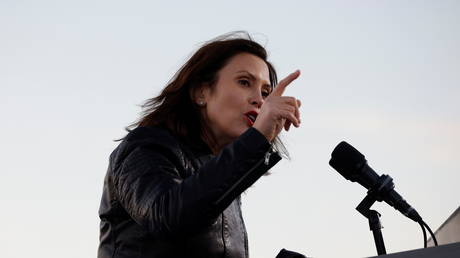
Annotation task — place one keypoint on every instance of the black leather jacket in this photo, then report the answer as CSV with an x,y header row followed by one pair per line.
x,y
165,198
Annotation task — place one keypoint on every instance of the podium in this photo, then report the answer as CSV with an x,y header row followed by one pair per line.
x,y
449,231
442,251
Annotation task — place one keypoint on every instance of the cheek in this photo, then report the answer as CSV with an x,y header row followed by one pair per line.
x,y
221,110
225,110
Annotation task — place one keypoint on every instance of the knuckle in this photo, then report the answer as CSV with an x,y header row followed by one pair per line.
x,y
291,100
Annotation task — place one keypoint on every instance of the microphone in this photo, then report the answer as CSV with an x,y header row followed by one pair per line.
x,y
352,165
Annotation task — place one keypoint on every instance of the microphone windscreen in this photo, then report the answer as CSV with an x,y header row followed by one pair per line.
x,y
347,160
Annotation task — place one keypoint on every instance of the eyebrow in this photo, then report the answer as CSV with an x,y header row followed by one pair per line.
x,y
252,77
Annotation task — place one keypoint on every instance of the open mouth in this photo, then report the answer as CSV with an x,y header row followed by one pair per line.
x,y
251,117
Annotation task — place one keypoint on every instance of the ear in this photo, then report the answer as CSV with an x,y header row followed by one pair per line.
x,y
200,95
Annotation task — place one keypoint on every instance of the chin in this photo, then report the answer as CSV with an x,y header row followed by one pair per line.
x,y
240,131
233,133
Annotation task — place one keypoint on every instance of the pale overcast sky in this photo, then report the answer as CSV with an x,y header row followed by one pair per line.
x,y
382,75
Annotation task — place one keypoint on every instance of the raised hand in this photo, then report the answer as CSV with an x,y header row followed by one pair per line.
x,y
278,111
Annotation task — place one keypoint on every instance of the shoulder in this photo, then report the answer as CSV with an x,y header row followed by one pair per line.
x,y
147,140
149,136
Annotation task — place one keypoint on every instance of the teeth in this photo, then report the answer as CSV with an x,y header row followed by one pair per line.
x,y
252,117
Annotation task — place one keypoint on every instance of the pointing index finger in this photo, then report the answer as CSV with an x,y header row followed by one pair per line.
x,y
279,90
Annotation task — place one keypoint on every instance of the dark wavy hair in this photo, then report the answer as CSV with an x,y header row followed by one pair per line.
x,y
175,108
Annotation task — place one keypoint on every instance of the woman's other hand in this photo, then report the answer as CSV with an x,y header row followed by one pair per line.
x,y
278,111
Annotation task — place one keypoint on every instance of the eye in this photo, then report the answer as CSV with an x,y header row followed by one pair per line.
x,y
243,82
265,93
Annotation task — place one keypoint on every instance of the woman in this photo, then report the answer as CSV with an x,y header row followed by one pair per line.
x,y
173,185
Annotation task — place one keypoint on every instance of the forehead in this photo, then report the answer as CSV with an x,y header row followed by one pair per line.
x,y
249,63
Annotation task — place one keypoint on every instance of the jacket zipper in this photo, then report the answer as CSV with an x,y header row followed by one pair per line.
x,y
267,156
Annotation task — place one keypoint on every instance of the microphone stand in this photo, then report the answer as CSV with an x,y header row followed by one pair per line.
x,y
384,184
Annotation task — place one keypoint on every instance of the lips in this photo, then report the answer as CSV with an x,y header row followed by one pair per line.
x,y
251,117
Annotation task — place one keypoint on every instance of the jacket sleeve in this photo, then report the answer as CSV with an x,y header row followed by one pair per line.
x,y
150,189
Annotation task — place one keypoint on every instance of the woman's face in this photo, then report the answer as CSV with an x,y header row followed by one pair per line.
x,y
234,102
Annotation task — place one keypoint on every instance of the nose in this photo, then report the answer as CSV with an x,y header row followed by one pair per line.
x,y
256,99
